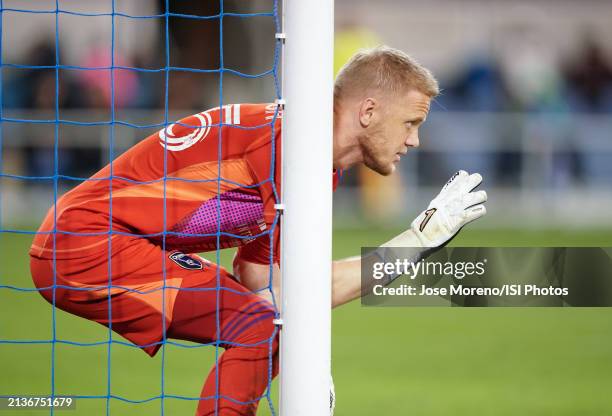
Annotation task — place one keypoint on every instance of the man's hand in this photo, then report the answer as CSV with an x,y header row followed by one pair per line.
x,y
455,206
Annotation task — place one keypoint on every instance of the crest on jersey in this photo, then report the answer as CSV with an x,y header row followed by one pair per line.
x,y
184,261
169,140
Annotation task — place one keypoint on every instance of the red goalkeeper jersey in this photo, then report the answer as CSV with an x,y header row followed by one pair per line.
x,y
209,180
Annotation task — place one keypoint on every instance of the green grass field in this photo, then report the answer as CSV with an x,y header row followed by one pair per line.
x,y
386,361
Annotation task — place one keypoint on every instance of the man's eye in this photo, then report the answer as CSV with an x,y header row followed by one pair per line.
x,y
409,124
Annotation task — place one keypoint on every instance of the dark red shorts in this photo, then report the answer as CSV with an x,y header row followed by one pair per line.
x,y
152,291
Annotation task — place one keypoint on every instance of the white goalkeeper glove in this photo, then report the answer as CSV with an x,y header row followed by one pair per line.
x,y
455,206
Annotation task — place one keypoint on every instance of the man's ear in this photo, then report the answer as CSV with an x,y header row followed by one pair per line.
x,y
366,111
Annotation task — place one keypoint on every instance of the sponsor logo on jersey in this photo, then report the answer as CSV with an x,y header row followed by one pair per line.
x,y
230,115
184,261
169,140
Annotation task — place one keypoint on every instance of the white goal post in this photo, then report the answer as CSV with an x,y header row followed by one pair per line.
x,y
306,230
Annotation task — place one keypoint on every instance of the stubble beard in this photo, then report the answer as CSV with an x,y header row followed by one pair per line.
x,y
372,148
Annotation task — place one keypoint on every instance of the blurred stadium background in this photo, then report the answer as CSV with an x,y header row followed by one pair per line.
x,y
527,102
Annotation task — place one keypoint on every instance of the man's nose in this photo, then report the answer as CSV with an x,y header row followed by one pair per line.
x,y
413,140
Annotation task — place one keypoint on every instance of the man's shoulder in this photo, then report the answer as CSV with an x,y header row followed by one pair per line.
x,y
248,114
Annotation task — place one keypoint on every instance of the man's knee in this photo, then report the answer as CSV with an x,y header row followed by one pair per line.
x,y
253,326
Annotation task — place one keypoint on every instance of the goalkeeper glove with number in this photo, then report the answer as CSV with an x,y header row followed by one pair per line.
x,y
455,206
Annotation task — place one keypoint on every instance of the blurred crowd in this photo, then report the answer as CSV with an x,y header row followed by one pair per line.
x,y
523,79
526,78
34,88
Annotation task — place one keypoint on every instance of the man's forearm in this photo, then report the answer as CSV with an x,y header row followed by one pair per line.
x,y
347,284
346,280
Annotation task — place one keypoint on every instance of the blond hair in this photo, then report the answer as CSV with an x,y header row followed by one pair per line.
x,y
383,69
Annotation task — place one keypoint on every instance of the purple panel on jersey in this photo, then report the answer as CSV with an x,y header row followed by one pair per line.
x,y
237,210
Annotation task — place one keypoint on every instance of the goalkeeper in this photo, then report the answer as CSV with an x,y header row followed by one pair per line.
x,y
121,247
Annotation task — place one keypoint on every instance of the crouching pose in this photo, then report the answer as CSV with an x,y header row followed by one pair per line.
x,y
121,248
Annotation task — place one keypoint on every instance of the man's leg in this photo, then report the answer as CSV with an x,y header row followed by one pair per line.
x,y
244,323
188,310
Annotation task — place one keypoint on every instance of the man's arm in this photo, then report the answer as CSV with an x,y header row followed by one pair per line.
x,y
346,280
346,284
256,277
455,206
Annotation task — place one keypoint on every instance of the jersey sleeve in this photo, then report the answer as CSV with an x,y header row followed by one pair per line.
x,y
258,251
263,157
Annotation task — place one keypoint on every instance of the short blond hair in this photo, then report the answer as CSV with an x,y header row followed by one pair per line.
x,y
383,69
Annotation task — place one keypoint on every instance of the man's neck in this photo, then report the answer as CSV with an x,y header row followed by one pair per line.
x,y
347,151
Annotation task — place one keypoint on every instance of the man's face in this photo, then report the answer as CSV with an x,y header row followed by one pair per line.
x,y
391,129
